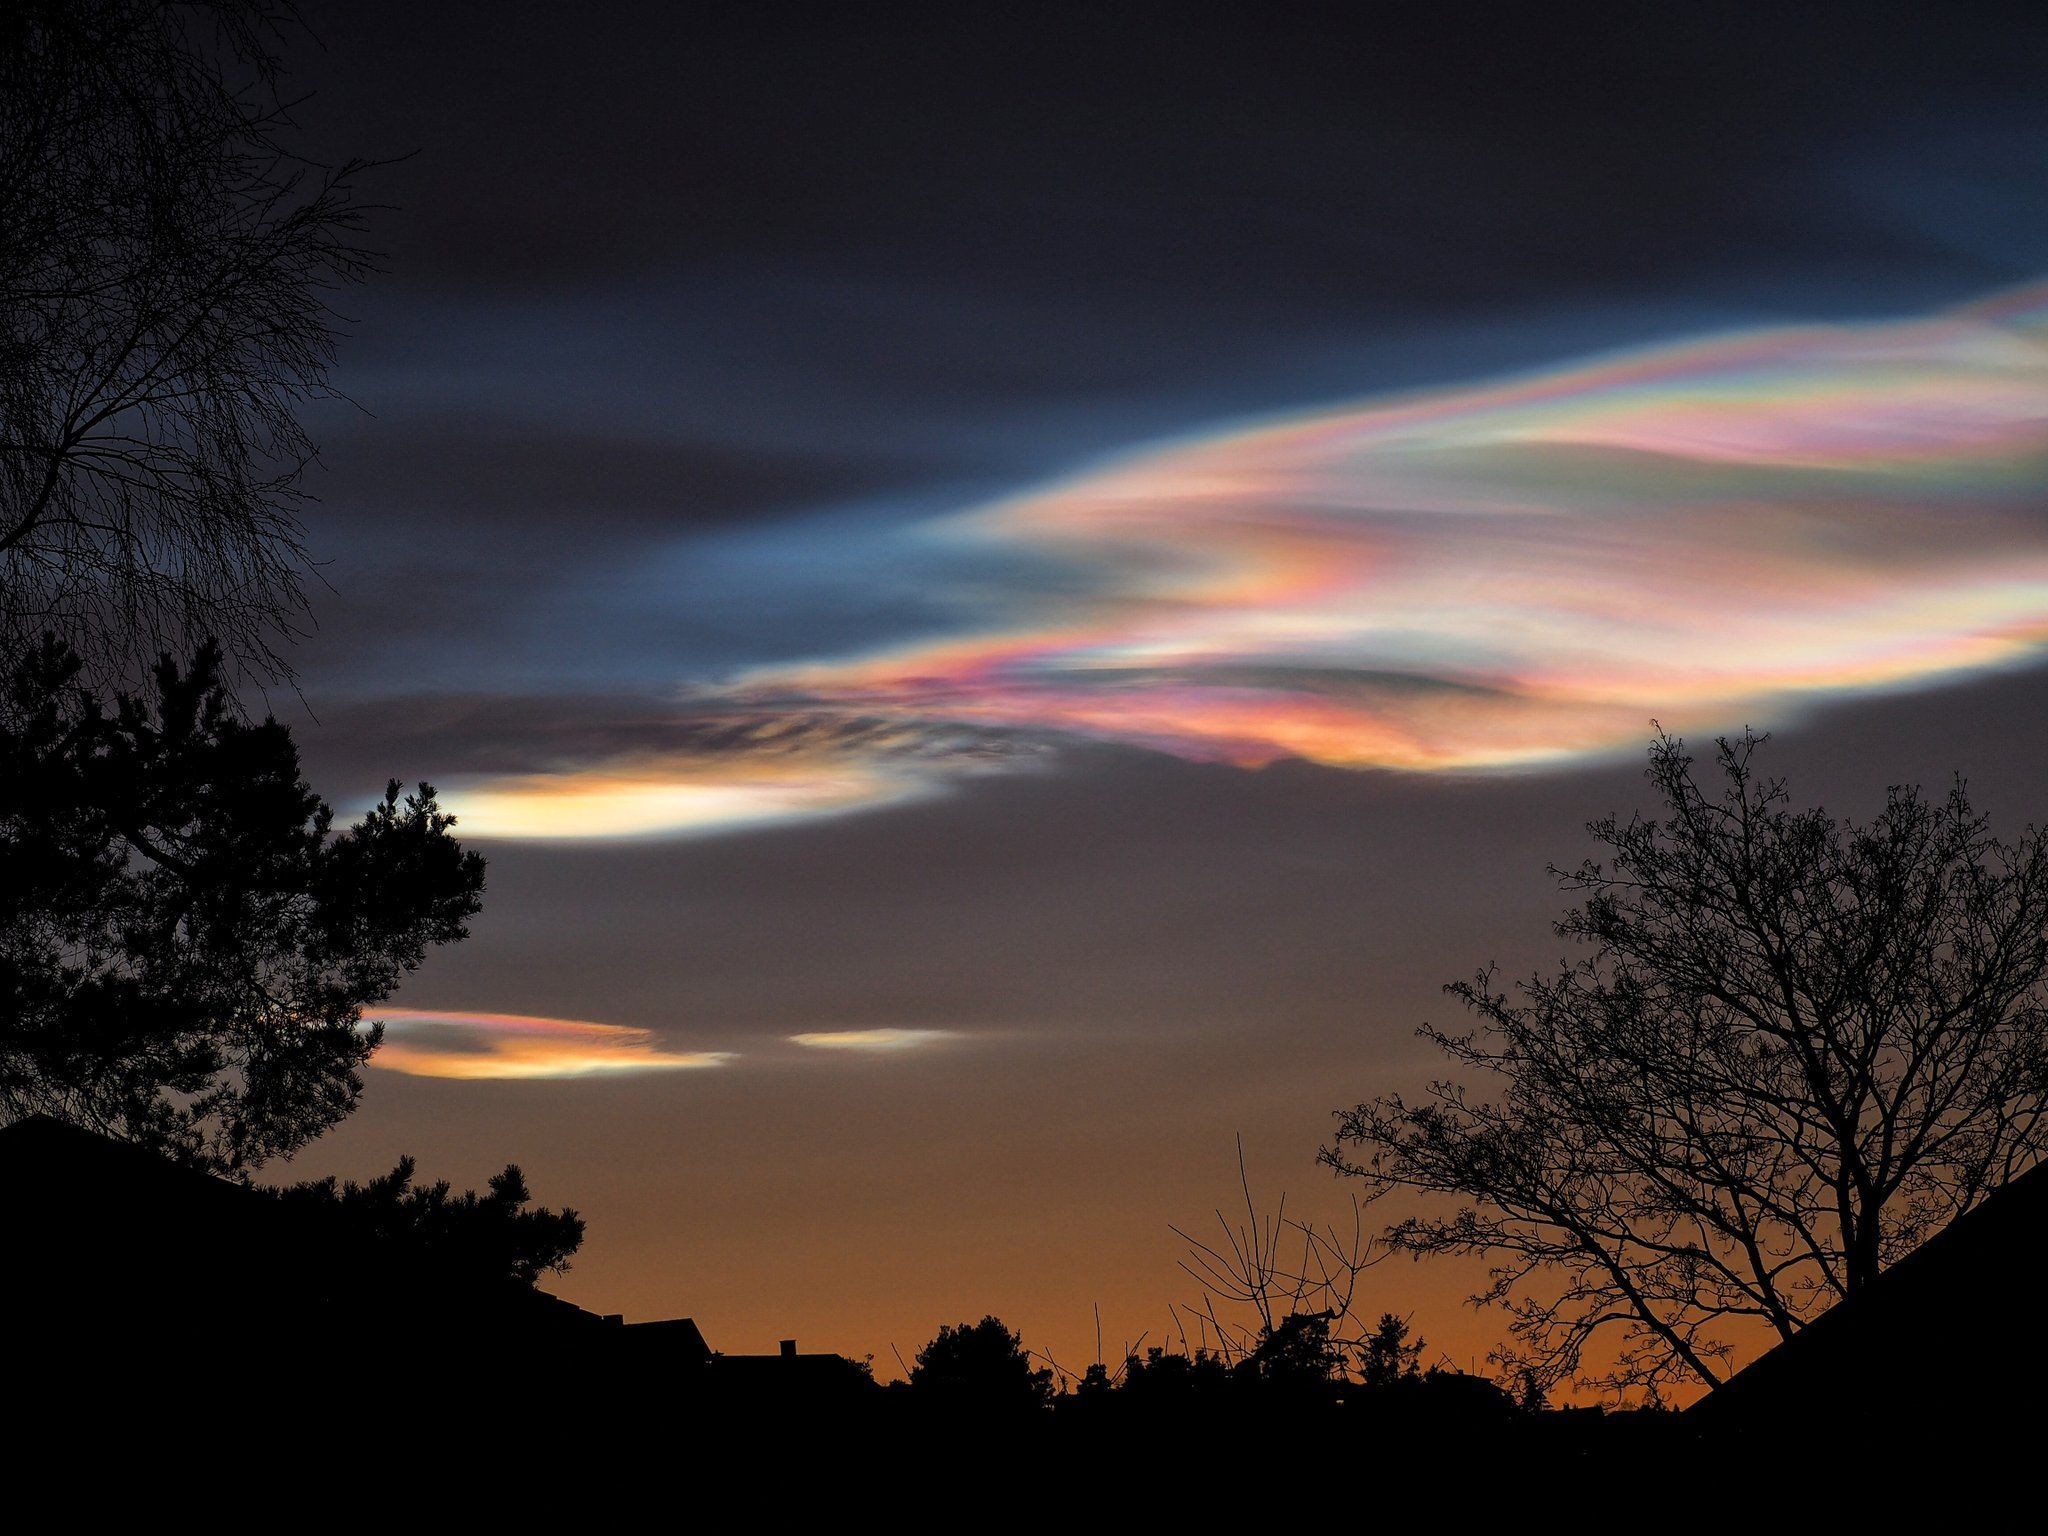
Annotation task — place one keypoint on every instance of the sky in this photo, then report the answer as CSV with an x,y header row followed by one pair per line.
x,y
1009,591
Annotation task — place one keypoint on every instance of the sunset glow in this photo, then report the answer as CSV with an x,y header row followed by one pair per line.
x,y
966,660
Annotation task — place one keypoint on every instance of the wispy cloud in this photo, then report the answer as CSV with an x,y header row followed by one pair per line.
x,y
721,772
1520,572
425,1043
871,1039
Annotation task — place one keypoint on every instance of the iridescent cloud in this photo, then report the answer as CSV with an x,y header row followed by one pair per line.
x,y
1517,573
871,1039
725,772
424,1043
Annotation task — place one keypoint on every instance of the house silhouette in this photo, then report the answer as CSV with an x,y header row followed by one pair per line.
x,y
124,1270
1940,1345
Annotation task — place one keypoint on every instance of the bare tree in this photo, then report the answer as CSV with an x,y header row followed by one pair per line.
x,y
1272,1273
166,267
1796,1047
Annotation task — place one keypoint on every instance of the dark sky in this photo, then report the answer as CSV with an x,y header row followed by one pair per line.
x,y
1369,421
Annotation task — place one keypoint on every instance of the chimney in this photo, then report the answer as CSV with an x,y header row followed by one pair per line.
x,y
789,1349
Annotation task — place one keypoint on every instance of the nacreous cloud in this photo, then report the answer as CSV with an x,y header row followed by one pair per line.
x,y
722,771
871,1039
422,1043
1517,573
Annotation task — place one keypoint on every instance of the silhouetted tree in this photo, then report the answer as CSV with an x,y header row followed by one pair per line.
x,y
1095,1381
1165,1375
1387,1356
165,270
487,1237
980,1367
1797,1047
186,943
1268,1276
1298,1353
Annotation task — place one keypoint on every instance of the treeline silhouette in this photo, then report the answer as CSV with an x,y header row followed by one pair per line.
x,y
158,1303
345,1300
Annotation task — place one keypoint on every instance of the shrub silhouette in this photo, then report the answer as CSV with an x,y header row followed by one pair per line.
x,y
981,1367
1297,1354
1387,1356
1164,1377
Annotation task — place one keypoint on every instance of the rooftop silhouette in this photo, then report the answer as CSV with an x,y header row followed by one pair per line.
x,y
1939,1340
131,1263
